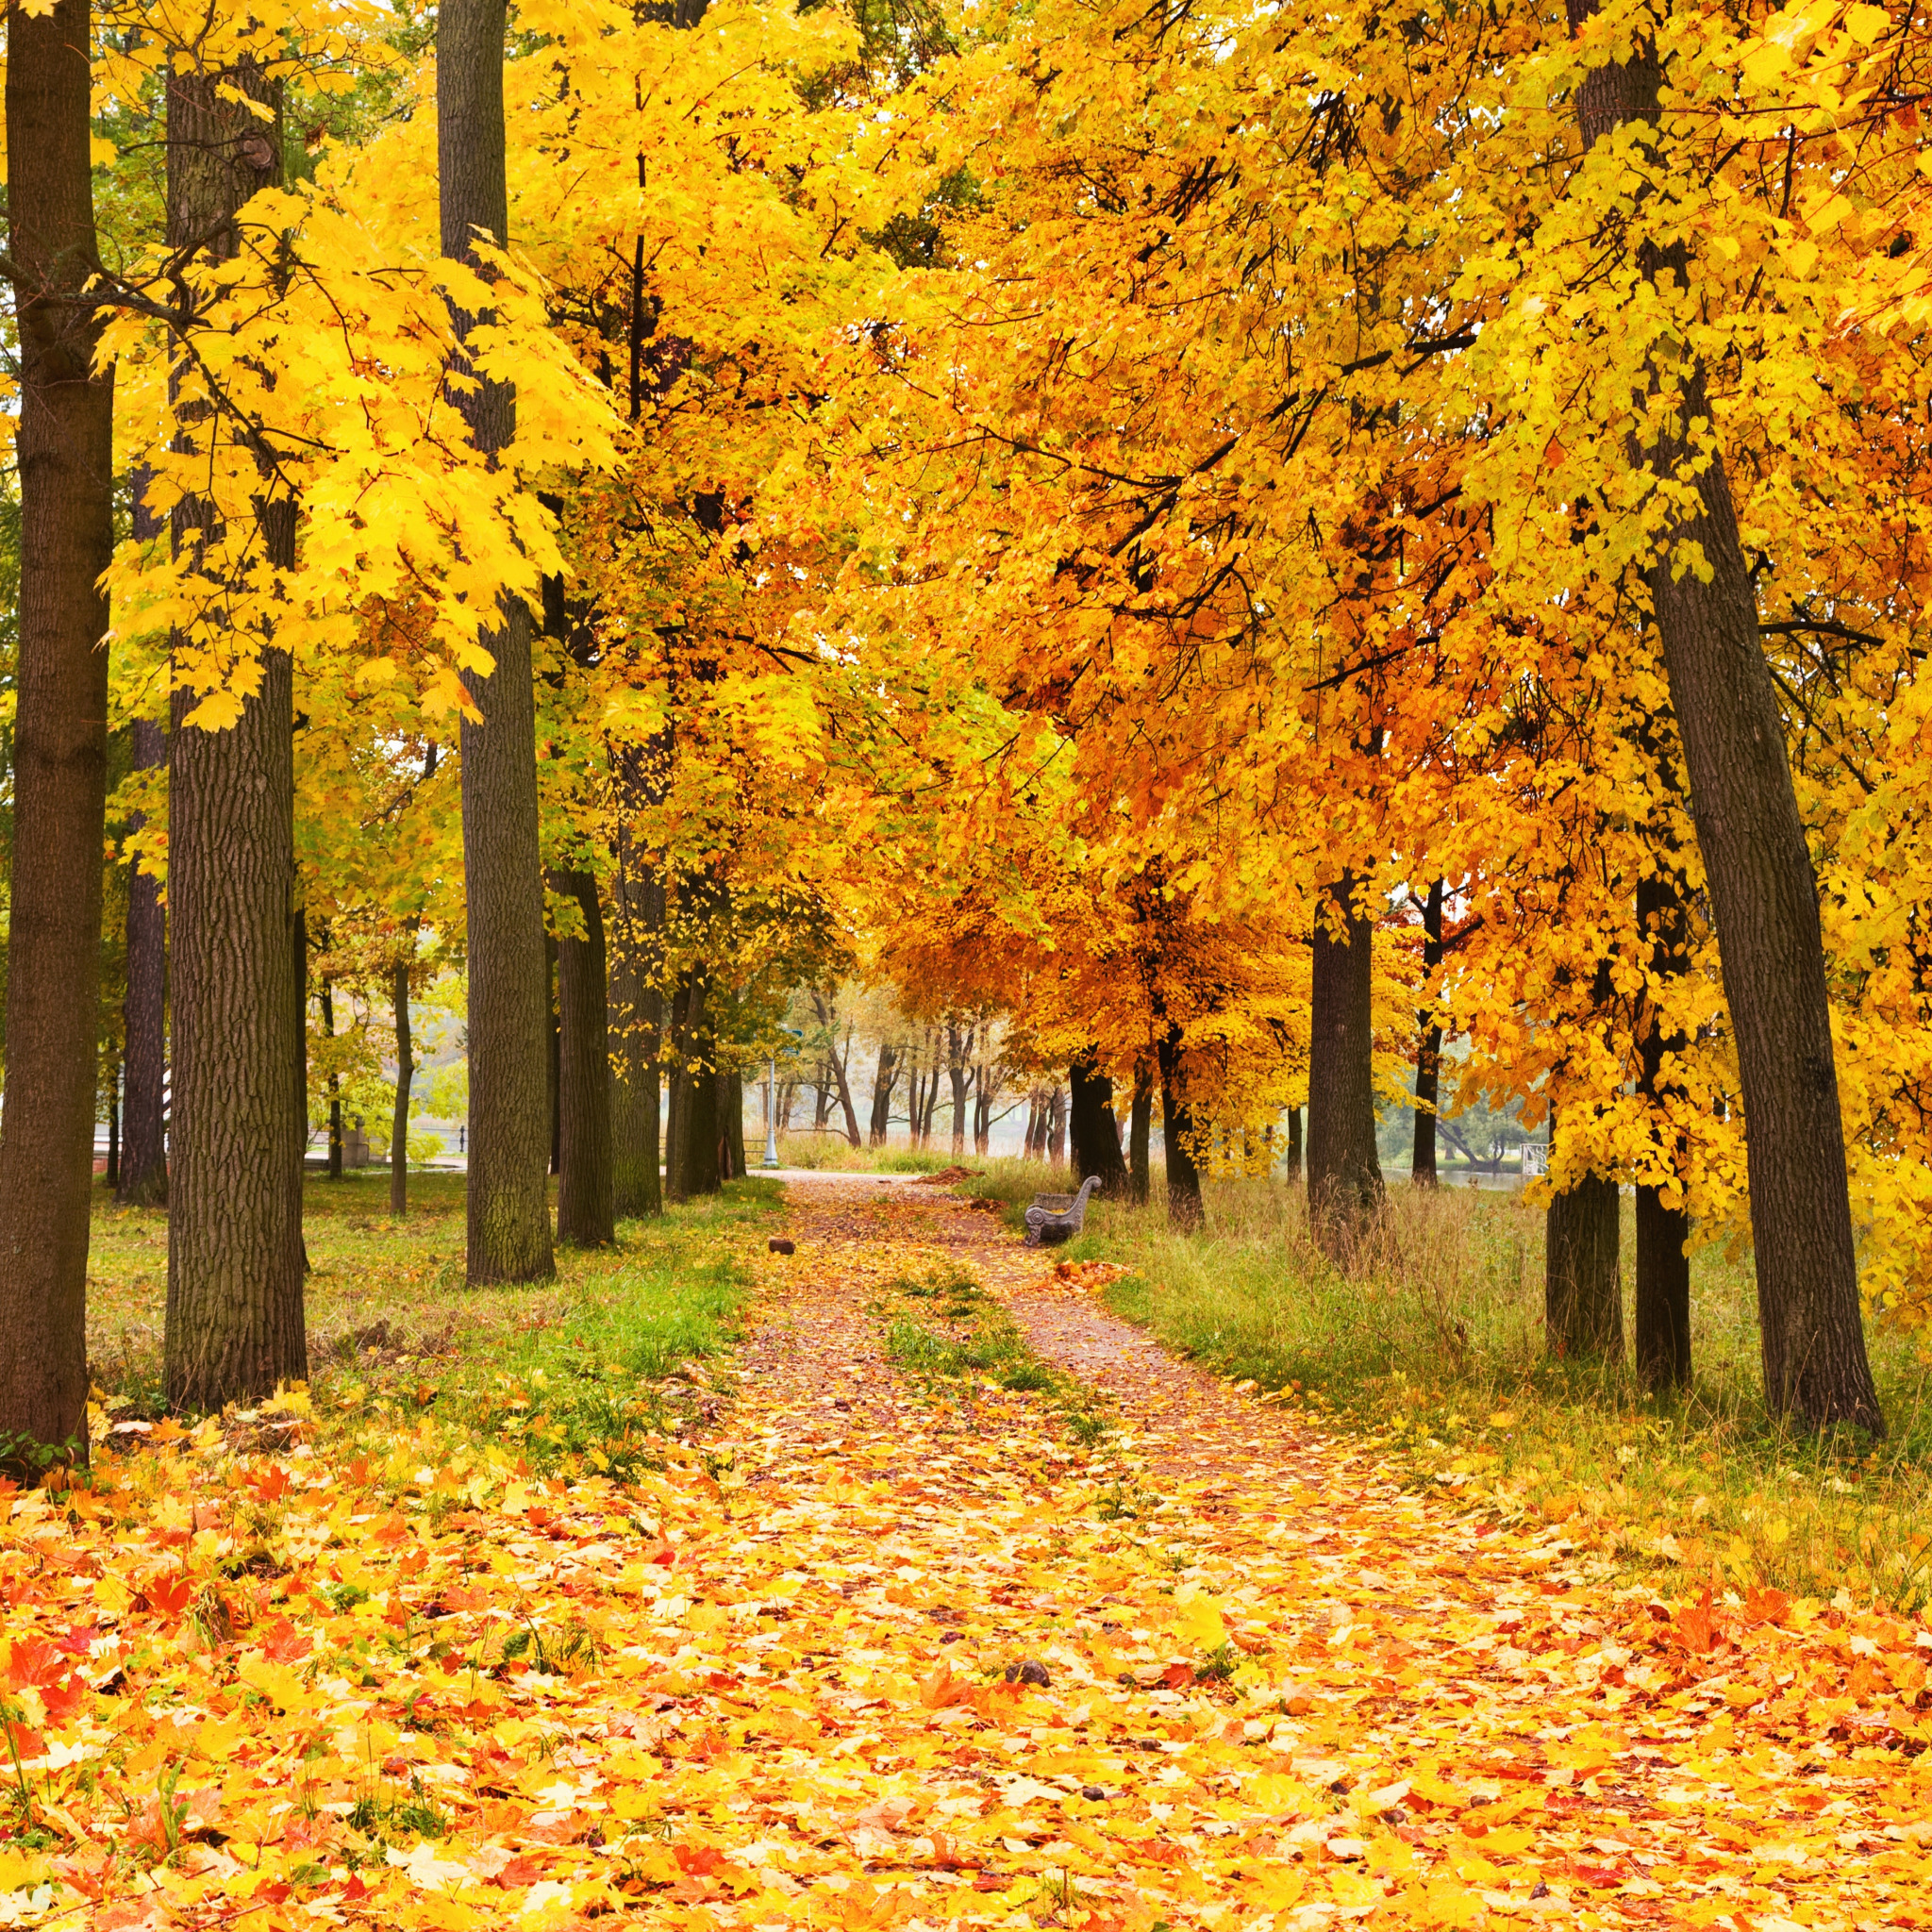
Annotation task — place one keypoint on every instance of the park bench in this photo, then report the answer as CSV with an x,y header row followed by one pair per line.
x,y
1057,1218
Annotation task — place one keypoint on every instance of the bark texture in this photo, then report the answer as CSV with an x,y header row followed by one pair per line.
x,y
699,1172
731,1161
554,1070
1292,1159
235,1310
509,1004
1758,870
1184,1209
692,1161
235,1324
885,1077
637,1005
1140,1133
1094,1130
585,1198
1429,1054
405,1073
144,1177
1661,1324
65,447
1345,1170
1583,1310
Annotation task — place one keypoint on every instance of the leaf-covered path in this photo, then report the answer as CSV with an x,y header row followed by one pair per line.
x,y
903,1647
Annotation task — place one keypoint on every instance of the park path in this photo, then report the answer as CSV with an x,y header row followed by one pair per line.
x,y
886,1647
1431,1719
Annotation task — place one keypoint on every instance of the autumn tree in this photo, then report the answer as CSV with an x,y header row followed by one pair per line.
x,y
509,1025
65,445
1756,858
234,1260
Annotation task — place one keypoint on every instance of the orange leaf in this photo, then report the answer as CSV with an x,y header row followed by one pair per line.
x,y
1697,1627
941,1691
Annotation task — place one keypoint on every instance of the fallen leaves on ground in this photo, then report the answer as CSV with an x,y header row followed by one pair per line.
x,y
891,1654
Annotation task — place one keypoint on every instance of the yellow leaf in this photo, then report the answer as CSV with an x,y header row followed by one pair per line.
x,y
1198,1622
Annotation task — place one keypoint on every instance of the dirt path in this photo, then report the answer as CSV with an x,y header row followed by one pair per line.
x,y
1431,1719
896,1649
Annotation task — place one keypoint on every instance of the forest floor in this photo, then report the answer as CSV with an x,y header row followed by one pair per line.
x,y
947,1596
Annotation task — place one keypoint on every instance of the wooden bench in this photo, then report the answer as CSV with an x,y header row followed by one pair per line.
x,y
1057,1218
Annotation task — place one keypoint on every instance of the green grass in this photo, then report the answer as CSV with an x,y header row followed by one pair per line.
x,y
831,1153
1431,1347
594,1370
943,1327
1013,1184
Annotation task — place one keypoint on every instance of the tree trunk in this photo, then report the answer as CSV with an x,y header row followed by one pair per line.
x,y
836,1067
143,1178
637,1002
1056,1126
1428,1058
1097,1136
1662,1315
1345,1170
234,1320
1184,1210
555,1076
586,1195
64,449
883,1081
509,1195
335,1098
845,1090
1583,1313
701,1131
1141,1132
1293,1158
677,1087
298,1049
405,1073
1758,872
732,1164
692,1167
959,1051
932,1096
235,1308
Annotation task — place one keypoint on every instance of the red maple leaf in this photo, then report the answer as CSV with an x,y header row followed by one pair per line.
x,y
284,1645
37,1663
168,1593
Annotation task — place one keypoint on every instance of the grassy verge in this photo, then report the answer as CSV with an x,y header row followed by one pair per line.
x,y
593,1371
1432,1347
1013,1184
831,1153
942,1327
